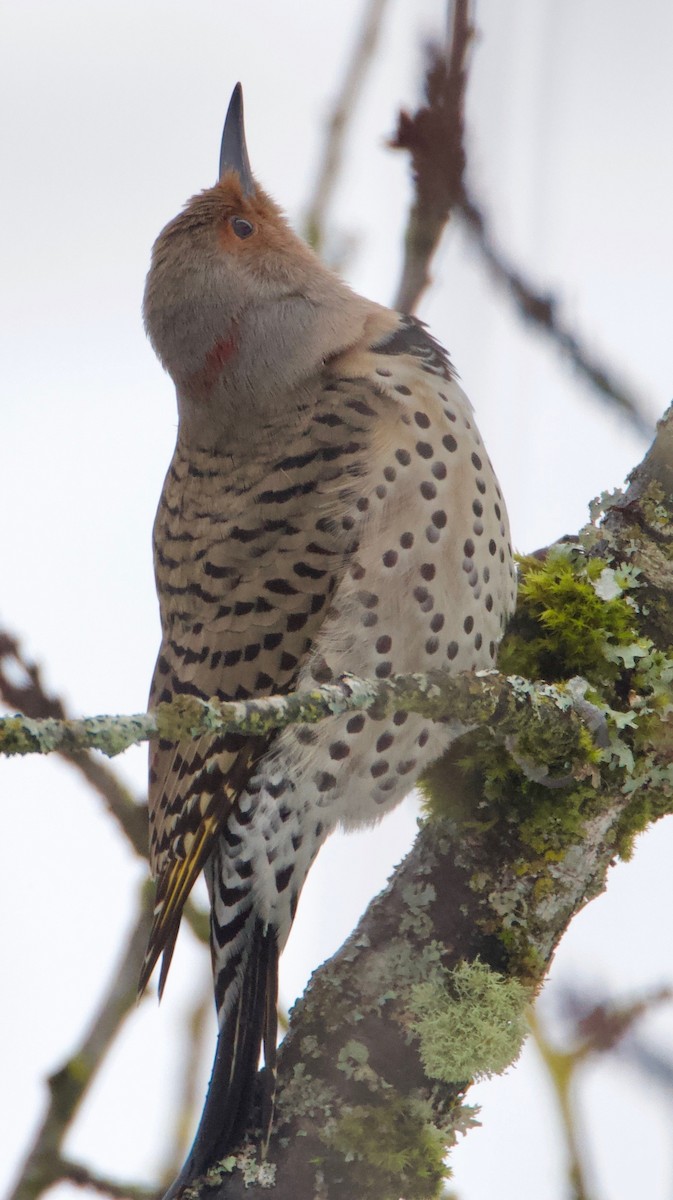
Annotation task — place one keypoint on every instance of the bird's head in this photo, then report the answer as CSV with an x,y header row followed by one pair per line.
x,y
235,302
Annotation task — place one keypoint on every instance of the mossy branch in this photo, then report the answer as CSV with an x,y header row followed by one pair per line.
x,y
510,707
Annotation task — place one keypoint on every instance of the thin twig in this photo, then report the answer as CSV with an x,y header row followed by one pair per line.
x,y
561,1067
434,137
68,1086
540,308
342,114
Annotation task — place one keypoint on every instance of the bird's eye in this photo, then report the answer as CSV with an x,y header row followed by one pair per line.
x,y
241,227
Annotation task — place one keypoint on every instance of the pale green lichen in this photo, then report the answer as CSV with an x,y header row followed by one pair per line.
x,y
654,507
305,1096
246,1161
353,1060
310,1047
253,1171
470,1022
416,919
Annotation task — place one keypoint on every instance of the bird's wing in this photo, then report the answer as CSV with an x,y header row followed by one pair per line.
x,y
246,565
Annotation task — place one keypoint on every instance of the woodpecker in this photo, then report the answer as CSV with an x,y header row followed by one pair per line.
x,y
329,507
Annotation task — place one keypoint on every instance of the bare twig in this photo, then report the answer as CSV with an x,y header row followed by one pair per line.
x,y
68,1086
541,309
344,107
434,137
561,1066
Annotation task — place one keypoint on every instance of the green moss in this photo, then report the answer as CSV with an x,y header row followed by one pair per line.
x,y
470,1022
392,1150
653,799
545,820
524,959
566,622
576,616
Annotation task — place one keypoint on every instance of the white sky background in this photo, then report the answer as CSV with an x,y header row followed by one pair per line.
x,y
111,118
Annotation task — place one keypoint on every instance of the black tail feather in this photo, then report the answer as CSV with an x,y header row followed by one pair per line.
x,y
232,1083
270,1041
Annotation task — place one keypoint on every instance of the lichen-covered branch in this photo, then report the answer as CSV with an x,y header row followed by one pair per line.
x,y
508,706
432,988
21,687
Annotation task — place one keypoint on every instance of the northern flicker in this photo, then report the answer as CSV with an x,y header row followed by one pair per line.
x,y
329,507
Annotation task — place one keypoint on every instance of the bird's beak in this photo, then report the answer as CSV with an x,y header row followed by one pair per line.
x,y
234,152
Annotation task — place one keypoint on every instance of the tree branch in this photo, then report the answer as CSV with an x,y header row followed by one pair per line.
x,y
435,140
21,688
508,705
434,137
431,989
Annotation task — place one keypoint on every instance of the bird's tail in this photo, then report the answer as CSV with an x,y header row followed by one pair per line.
x,y
249,1024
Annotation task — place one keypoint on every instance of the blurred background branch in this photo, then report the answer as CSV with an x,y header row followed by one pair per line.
x,y
45,1164
595,1028
341,117
434,138
541,310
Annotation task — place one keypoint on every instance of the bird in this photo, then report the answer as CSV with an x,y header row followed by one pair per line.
x,y
329,508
